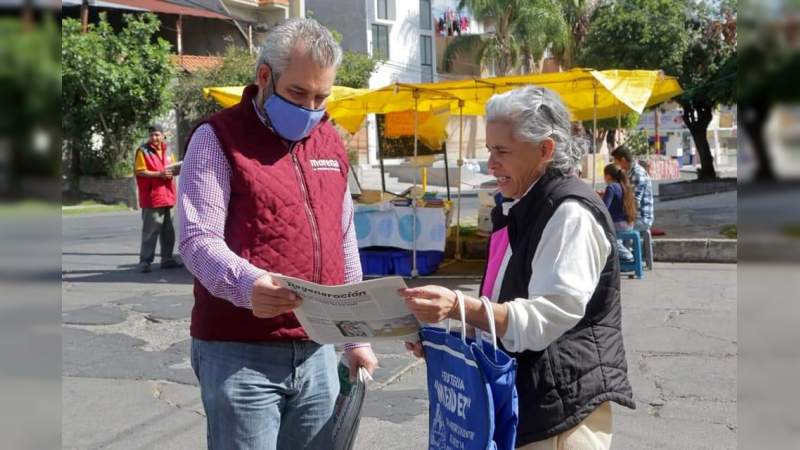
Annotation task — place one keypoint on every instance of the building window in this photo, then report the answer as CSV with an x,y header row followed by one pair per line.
x,y
380,41
424,14
426,58
385,9
426,50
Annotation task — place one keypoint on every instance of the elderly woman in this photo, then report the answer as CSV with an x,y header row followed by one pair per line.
x,y
552,276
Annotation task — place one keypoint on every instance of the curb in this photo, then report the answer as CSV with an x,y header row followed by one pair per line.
x,y
702,250
769,248
710,250
686,189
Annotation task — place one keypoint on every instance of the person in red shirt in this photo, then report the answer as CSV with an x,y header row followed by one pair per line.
x,y
154,171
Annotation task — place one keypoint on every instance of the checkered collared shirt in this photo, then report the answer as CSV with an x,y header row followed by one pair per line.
x,y
203,193
643,192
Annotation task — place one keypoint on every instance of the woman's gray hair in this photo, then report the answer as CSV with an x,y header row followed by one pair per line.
x,y
315,39
536,113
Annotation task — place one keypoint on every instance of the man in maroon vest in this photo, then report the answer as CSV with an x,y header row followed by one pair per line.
x,y
264,191
156,199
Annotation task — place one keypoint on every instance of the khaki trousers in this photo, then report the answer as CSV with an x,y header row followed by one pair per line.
x,y
157,226
594,433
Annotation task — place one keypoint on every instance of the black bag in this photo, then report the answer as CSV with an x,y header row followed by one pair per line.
x,y
347,410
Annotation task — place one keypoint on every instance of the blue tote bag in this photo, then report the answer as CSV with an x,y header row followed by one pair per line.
x,y
473,399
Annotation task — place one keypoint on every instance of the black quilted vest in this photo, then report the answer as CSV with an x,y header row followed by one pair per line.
x,y
585,367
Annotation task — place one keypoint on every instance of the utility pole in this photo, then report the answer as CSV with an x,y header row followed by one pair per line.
x,y
179,28
84,16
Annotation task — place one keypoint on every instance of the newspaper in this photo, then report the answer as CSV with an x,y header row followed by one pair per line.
x,y
369,311
175,167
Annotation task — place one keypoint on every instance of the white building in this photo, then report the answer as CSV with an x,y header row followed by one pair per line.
x,y
398,32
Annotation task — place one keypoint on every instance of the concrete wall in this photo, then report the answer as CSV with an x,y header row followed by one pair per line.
x,y
110,190
348,17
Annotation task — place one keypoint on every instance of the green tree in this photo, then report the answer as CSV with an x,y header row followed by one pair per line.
x,y
708,75
237,69
769,60
578,16
690,40
637,142
522,31
609,129
355,70
115,84
31,78
637,34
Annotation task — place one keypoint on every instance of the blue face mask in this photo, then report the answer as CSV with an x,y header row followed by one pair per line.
x,y
291,121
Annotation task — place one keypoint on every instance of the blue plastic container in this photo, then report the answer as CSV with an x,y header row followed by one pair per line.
x,y
392,261
378,261
427,262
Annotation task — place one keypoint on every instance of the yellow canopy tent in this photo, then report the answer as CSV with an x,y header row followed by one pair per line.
x,y
588,94
228,96
618,91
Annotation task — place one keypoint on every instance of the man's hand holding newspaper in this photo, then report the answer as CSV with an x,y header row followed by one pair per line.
x,y
269,298
369,311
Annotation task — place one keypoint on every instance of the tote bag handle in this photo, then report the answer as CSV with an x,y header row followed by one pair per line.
x,y
480,334
462,311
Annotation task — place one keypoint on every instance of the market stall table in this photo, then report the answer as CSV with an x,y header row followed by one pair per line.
x,y
386,235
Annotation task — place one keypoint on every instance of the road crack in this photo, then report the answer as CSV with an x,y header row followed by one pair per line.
x,y
158,394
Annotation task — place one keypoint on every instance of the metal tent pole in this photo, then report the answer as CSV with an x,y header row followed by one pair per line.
x,y
594,139
459,163
447,173
414,272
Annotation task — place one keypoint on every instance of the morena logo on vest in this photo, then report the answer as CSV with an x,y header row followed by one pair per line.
x,y
325,164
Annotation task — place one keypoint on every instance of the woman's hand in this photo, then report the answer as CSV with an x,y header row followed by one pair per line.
x,y
415,348
431,303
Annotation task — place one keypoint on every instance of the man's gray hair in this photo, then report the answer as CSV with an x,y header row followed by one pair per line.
x,y
314,39
536,113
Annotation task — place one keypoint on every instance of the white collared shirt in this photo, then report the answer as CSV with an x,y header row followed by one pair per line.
x,y
567,265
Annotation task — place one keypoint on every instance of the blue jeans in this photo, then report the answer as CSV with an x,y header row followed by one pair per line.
x,y
267,395
641,226
623,251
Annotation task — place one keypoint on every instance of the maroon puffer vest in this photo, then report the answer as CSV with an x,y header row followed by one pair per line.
x,y
284,216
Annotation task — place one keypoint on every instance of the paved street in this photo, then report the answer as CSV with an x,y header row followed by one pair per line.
x,y
128,384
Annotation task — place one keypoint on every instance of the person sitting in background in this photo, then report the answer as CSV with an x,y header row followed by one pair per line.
x,y
621,204
642,187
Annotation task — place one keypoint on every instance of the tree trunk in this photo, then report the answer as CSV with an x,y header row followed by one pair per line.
x,y
600,138
616,137
752,118
75,164
527,62
697,116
